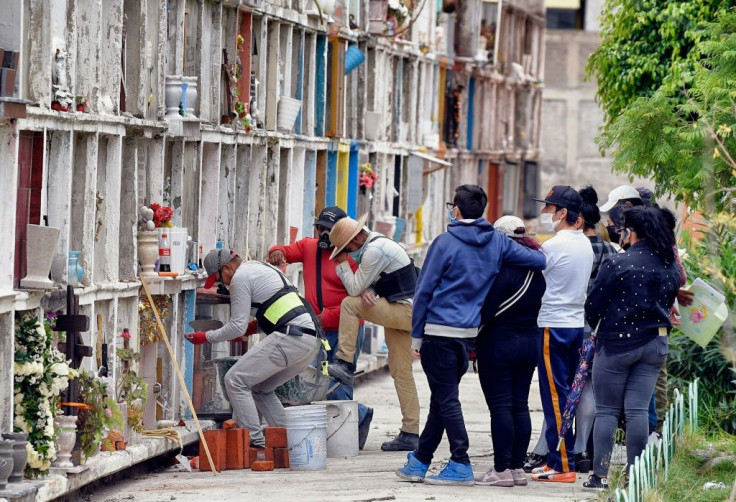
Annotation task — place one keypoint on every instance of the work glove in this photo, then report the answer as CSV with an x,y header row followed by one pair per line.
x,y
252,329
197,337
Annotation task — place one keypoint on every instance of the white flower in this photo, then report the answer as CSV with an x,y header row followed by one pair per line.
x,y
18,398
394,4
40,330
60,369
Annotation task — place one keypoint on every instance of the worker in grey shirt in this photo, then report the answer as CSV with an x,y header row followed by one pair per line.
x,y
381,292
260,290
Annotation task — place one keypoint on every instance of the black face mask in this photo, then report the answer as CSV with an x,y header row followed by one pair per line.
x,y
324,240
613,233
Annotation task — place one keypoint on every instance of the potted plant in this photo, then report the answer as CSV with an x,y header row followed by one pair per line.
x,y
131,388
102,416
367,178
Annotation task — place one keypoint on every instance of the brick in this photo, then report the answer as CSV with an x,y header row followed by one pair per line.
x,y
262,465
260,454
217,443
234,452
276,437
281,458
246,449
229,424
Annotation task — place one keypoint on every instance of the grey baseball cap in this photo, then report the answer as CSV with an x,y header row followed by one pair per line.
x,y
213,262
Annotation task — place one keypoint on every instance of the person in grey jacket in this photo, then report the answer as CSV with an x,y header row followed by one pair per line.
x,y
260,290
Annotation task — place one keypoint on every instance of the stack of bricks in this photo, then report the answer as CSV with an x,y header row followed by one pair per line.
x,y
230,449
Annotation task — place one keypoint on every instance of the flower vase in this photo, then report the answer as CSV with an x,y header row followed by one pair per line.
x,y
172,95
40,248
65,442
191,95
148,251
183,104
6,461
20,454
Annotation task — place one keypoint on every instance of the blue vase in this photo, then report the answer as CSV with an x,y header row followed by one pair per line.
x,y
353,58
75,270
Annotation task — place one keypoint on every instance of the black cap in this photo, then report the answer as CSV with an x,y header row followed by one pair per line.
x,y
329,216
563,196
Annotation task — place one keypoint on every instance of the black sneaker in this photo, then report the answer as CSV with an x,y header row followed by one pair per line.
x,y
342,371
364,427
582,462
533,461
405,441
595,483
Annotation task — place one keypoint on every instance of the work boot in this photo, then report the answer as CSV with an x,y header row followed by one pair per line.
x,y
342,371
453,474
364,427
413,470
405,441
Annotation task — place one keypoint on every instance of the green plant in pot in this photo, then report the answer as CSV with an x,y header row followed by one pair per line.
x,y
131,388
102,416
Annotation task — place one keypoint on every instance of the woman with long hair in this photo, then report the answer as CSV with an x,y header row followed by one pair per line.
x,y
631,299
507,353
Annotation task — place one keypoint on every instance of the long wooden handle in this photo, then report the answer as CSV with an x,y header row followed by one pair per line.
x,y
178,374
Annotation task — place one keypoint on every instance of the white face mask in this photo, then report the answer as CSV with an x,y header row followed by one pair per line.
x,y
546,220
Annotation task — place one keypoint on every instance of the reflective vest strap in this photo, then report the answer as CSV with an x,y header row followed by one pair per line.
x,y
282,306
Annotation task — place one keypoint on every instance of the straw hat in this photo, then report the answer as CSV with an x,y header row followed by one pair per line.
x,y
345,231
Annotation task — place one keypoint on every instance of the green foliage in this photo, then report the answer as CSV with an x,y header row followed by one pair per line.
x,y
683,141
131,388
102,416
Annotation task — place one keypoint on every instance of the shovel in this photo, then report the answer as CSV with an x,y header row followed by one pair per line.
x,y
205,324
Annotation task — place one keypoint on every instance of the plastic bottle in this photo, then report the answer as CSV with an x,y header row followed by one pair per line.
x,y
164,254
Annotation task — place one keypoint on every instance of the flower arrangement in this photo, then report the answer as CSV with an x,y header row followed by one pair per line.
x,y
368,177
42,373
398,10
243,116
102,414
155,216
131,388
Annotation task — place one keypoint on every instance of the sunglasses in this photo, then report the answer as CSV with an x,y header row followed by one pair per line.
x,y
450,205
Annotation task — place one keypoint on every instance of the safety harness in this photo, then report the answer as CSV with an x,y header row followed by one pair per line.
x,y
399,284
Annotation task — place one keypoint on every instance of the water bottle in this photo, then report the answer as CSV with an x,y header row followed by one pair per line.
x,y
164,254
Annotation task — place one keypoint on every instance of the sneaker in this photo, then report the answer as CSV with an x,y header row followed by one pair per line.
x,y
494,478
533,461
364,427
541,469
519,477
405,441
553,476
413,470
453,474
582,462
595,483
342,371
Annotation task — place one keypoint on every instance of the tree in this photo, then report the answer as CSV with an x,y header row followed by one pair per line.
x,y
685,141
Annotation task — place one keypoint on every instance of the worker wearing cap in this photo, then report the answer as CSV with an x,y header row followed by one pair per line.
x,y
324,291
381,292
561,321
260,290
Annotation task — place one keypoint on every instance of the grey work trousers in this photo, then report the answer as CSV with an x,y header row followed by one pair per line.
x,y
251,382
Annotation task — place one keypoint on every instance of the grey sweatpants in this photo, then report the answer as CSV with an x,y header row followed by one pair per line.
x,y
252,380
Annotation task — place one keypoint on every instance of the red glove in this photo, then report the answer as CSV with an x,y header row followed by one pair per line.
x,y
197,337
252,328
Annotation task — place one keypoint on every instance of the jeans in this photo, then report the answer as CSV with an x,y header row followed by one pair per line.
x,y
652,413
344,392
506,364
624,378
251,381
445,361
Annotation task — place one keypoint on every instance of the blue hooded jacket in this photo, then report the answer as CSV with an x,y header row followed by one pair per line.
x,y
457,273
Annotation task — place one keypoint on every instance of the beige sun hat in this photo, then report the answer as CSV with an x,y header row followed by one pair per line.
x,y
344,231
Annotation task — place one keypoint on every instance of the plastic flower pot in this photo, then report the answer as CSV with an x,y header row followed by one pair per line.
x,y
353,58
288,112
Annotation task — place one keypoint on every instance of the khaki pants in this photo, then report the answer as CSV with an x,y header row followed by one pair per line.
x,y
396,321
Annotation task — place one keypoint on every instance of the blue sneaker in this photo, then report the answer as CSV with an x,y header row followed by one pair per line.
x,y
453,474
413,470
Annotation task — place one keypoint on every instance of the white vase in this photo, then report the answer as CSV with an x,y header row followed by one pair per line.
x,y
173,95
40,248
191,95
65,442
288,110
148,251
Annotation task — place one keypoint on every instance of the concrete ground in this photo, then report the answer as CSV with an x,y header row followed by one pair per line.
x,y
367,477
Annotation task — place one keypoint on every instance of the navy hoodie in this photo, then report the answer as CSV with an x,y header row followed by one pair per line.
x,y
457,273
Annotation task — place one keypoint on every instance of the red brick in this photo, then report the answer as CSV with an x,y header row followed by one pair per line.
x,y
260,454
276,437
217,443
281,458
262,465
229,424
246,449
234,452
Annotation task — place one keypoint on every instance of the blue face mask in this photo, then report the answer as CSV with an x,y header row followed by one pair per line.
x,y
355,255
452,218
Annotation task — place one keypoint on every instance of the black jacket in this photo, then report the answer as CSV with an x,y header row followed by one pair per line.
x,y
632,294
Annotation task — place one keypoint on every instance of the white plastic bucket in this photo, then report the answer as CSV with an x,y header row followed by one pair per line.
x,y
178,241
288,111
306,434
342,428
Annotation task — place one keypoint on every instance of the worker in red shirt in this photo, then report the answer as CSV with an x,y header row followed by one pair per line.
x,y
324,291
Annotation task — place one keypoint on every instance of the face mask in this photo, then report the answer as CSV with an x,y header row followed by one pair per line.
x,y
452,218
355,255
546,221
613,233
324,240
625,245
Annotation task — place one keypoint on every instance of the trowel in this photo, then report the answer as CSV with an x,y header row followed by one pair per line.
x,y
205,324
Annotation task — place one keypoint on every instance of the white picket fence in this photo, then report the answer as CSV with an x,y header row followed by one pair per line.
x,y
656,458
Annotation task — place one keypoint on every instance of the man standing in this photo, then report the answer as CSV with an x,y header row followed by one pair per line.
x,y
324,291
459,269
381,292
260,290
561,320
